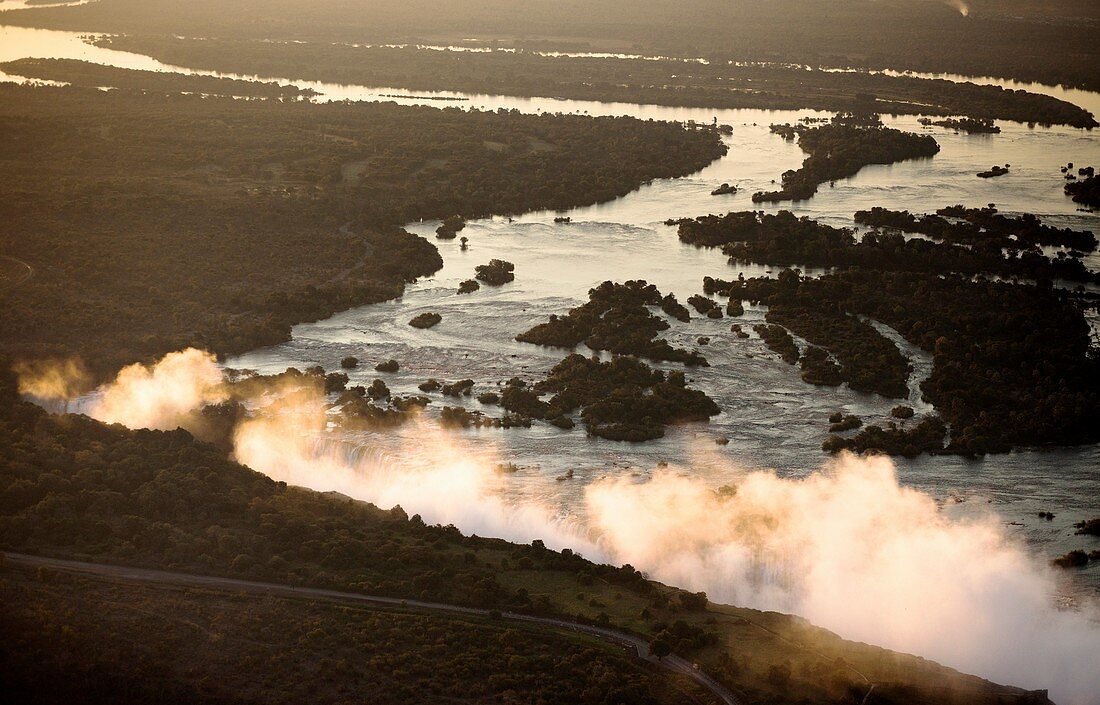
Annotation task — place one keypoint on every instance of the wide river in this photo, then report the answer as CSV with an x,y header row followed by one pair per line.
x,y
770,417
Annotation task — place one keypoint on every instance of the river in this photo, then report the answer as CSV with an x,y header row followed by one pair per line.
x,y
769,416
772,419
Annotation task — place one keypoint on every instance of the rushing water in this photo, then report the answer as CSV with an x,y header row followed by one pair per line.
x,y
771,418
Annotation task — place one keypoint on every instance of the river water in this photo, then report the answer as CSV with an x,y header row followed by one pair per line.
x,y
771,418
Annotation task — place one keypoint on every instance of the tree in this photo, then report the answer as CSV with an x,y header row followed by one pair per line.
x,y
659,648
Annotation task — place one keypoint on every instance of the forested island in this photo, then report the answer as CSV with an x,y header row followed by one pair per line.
x,y
657,82
1014,364
983,228
1085,191
993,244
971,126
1048,42
839,149
88,75
616,319
219,223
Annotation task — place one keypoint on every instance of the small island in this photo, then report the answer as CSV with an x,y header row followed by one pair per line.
x,y
496,273
841,148
993,171
450,227
617,319
969,125
425,320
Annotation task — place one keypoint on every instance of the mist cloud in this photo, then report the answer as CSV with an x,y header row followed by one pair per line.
x,y
853,551
53,380
847,546
161,396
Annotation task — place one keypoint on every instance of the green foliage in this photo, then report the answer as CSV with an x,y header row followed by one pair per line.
x,y
155,222
496,273
1013,364
624,399
659,82
839,150
71,639
89,75
616,319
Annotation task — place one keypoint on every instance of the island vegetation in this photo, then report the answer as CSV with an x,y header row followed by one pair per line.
x,y
616,318
1013,364
425,320
980,227
991,244
496,273
778,341
1089,527
219,223
839,149
995,170
621,400
1085,191
842,347
971,126
1009,357
525,71
89,75
925,437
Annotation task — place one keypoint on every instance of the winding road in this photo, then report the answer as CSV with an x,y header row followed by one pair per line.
x,y
640,646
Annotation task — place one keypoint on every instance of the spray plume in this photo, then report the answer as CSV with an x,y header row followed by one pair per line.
x,y
853,551
961,6
52,380
847,547
446,484
162,395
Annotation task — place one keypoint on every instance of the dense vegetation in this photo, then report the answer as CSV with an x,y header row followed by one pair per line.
x,y
660,82
1090,527
71,639
983,228
839,150
155,222
89,75
73,487
971,126
425,320
926,437
1013,364
496,273
1051,41
1086,191
623,399
785,239
867,360
616,319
